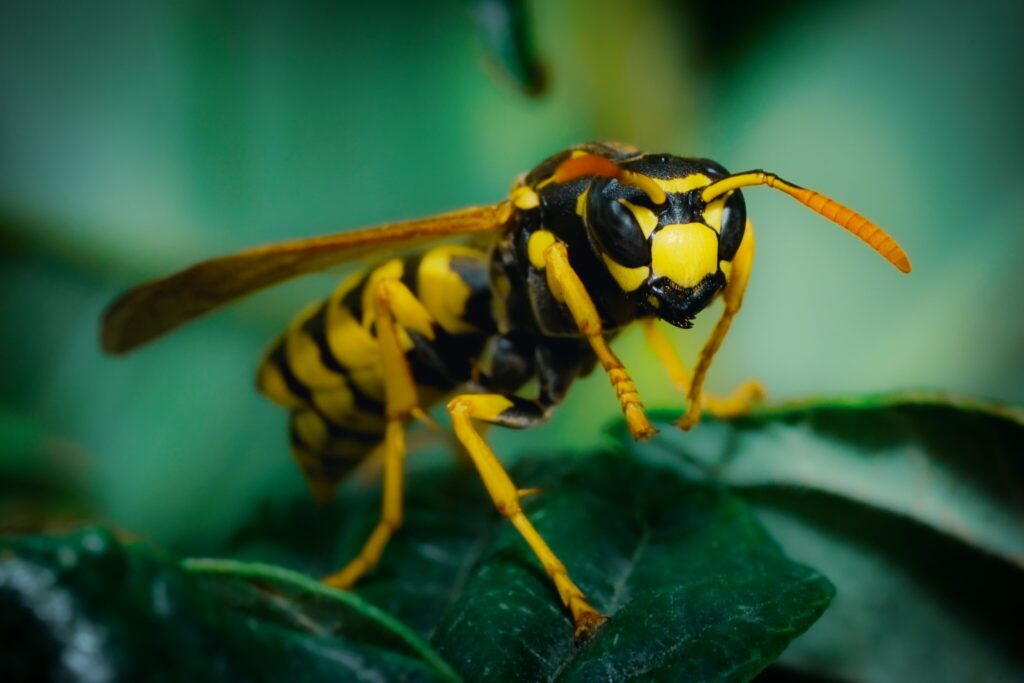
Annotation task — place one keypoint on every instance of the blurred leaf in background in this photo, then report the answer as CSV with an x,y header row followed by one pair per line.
x,y
139,138
88,607
506,36
42,480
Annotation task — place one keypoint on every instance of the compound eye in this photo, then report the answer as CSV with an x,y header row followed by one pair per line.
x,y
734,221
713,169
613,227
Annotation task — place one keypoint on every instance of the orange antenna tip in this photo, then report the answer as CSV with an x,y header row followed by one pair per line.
x,y
849,220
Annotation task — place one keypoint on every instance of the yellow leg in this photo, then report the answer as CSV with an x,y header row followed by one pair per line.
x,y
487,407
391,510
395,303
567,287
736,403
733,298
392,302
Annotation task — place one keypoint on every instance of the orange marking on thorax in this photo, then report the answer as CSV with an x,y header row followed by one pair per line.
x,y
587,164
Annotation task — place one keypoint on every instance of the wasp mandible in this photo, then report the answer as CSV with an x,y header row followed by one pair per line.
x,y
594,238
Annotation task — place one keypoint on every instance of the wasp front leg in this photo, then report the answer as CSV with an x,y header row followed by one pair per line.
x,y
394,304
567,288
748,393
736,403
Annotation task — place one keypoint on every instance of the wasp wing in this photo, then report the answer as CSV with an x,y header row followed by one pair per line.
x,y
155,308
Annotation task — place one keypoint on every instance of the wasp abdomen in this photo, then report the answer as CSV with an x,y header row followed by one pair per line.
x,y
326,367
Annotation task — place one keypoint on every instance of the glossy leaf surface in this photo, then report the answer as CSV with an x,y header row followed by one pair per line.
x,y
86,607
912,503
694,586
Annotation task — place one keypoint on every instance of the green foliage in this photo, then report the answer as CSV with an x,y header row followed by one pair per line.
x,y
910,503
695,588
905,502
86,607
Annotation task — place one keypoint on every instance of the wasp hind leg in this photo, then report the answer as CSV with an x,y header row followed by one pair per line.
x,y
393,304
511,411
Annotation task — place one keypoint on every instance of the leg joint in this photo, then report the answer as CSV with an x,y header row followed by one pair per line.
x,y
486,407
460,405
508,507
384,288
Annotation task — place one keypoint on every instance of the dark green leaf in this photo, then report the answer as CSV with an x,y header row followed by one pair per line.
x,y
953,464
88,608
911,604
695,588
911,503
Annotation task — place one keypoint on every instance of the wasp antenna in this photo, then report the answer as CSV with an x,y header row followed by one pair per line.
x,y
872,235
645,183
849,220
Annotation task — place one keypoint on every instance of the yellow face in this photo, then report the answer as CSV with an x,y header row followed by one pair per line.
x,y
685,253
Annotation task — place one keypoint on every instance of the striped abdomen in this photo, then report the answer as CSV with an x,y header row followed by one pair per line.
x,y
326,367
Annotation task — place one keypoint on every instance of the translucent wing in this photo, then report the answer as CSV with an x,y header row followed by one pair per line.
x,y
155,308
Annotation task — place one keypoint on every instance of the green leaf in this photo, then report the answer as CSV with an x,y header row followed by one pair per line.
x,y
953,464
696,590
911,503
87,607
911,604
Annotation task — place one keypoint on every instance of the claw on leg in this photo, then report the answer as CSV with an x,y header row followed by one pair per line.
x,y
742,399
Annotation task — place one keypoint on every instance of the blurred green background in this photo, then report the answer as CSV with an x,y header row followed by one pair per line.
x,y
136,138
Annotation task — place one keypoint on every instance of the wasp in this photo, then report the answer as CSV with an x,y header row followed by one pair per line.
x,y
593,239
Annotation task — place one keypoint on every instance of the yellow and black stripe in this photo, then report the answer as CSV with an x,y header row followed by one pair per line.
x,y
326,367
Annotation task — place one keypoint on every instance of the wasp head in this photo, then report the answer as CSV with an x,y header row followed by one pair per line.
x,y
660,241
